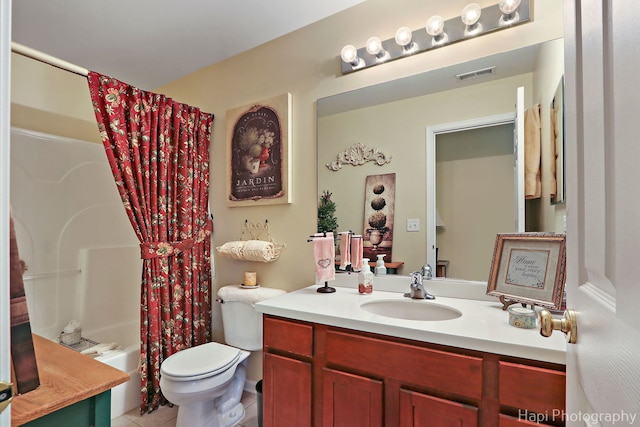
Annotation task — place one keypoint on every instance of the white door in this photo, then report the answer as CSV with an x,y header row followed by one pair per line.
x,y
519,159
5,62
603,207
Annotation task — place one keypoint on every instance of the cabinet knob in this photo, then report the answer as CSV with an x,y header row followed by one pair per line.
x,y
567,324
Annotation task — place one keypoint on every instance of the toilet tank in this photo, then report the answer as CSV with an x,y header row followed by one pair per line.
x,y
242,325
241,322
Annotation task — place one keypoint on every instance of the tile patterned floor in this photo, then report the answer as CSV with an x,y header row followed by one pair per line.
x,y
166,416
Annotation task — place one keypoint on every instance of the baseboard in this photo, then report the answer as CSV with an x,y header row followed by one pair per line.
x,y
250,386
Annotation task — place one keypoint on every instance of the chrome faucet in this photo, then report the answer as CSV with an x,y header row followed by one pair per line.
x,y
427,273
417,288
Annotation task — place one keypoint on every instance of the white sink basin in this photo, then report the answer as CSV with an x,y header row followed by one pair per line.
x,y
411,309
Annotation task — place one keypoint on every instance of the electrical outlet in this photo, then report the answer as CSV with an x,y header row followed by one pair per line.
x,y
413,225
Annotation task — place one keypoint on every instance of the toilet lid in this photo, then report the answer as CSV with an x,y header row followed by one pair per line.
x,y
203,360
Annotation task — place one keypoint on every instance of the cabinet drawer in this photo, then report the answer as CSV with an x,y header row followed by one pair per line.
x,y
289,336
507,421
531,388
446,371
417,409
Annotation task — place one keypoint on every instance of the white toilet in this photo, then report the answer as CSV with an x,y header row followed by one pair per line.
x,y
206,381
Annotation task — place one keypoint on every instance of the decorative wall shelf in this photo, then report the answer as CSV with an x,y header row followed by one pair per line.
x,y
255,244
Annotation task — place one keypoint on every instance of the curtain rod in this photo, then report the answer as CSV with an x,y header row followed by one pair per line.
x,y
47,59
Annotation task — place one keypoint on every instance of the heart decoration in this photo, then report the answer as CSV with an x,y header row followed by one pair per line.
x,y
324,263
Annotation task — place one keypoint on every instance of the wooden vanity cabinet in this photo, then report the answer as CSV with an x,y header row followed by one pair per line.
x,y
324,376
287,373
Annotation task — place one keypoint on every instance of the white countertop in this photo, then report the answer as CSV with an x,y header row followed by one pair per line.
x,y
483,326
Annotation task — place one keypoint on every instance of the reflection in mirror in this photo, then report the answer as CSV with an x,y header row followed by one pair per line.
x,y
474,181
557,187
393,117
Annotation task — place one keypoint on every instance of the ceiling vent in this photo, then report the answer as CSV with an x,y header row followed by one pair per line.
x,y
475,74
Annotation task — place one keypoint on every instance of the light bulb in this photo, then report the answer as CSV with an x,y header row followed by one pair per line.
x,y
435,25
471,14
435,28
374,46
509,9
508,6
403,36
349,54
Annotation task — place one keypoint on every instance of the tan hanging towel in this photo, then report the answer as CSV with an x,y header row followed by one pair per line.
x,y
532,180
553,183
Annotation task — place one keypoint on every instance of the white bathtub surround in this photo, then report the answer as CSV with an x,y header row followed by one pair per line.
x,y
84,259
483,325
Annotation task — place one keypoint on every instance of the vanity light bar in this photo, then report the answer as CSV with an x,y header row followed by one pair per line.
x,y
491,20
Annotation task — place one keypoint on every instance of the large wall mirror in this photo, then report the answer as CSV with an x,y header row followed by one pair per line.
x,y
395,118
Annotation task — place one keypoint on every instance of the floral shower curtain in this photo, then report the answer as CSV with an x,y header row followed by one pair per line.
x,y
158,151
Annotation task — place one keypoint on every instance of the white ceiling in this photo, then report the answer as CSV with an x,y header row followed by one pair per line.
x,y
148,43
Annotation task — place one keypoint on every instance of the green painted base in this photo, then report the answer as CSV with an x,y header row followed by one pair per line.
x,y
94,411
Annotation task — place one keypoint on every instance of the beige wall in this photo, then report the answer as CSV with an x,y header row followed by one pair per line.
x,y
47,99
305,64
475,190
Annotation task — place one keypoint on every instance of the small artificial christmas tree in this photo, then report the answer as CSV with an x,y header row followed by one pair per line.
x,y
327,221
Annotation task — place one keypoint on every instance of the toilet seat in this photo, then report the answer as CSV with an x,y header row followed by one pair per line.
x,y
199,362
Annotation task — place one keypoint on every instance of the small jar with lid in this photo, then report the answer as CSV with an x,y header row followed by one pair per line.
x,y
522,317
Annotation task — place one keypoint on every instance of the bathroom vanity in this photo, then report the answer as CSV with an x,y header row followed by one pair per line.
x,y
329,362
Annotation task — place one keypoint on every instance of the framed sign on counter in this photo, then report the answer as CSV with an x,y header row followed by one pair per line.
x,y
529,268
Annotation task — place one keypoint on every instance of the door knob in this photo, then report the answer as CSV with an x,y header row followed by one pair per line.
x,y
567,325
6,394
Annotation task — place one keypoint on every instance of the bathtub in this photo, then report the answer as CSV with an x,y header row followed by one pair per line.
x,y
124,397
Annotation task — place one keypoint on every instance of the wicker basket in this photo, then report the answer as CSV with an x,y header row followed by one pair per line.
x,y
70,338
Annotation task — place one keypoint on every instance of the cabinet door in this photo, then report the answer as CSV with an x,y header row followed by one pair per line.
x,y
421,410
286,392
351,400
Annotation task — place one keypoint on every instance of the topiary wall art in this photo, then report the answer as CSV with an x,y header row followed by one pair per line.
x,y
379,201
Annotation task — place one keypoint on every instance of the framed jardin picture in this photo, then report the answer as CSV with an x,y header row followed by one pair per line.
x,y
258,152
529,268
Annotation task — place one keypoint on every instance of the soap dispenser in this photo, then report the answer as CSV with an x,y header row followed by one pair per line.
x,y
365,278
380,268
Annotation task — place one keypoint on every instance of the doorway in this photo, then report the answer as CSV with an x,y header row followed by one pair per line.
x,y
475,188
